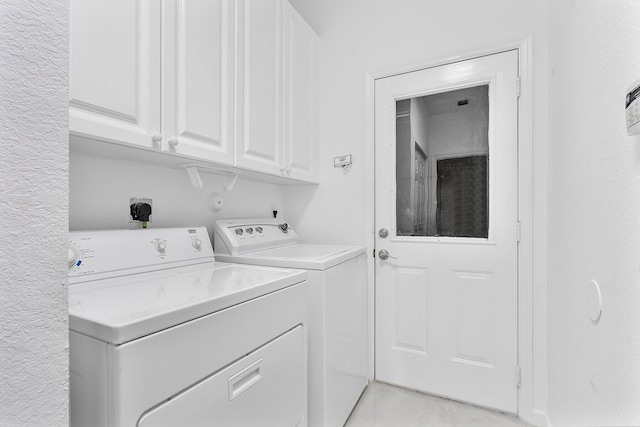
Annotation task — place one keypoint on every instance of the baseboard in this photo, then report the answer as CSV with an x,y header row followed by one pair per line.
x,y
541,418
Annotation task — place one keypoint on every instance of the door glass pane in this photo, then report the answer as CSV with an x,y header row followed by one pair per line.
x,y
442,164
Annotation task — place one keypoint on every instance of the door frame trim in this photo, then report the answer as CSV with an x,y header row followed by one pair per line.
x,y
528,376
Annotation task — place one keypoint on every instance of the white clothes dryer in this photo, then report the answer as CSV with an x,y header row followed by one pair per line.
x,y
337,275
163,335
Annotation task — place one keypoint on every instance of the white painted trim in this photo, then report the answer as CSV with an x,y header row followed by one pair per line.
x,y
541,418
369,209
476,53
526,410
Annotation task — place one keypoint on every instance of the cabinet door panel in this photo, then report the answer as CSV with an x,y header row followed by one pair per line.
x,y
299,49
115,70
260,129
198,91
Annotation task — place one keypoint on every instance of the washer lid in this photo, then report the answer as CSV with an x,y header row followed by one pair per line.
x,y
306,256
117,310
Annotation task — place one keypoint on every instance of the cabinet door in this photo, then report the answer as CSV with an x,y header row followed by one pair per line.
x,y
260,111
301,151
197,107
115,71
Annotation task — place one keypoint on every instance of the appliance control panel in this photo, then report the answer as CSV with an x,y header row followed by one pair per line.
x,y
632,109
239,236
110,253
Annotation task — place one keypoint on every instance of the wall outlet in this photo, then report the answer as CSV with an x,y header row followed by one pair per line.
x,y
133,200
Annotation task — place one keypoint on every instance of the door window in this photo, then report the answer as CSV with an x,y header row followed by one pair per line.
x,y
442,159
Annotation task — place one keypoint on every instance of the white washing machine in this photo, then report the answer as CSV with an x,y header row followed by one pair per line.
x,y
337,278
163,335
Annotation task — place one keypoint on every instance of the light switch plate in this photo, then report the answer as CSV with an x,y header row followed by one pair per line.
x,y
342,161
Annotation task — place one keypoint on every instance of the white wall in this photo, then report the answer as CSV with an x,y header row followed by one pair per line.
x,y
33,213
372,36
594,214
100,188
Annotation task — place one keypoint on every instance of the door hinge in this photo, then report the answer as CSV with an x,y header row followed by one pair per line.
x,y
518,231
518,376
518,85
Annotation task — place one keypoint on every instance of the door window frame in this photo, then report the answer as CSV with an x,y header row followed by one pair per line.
x,y
490,240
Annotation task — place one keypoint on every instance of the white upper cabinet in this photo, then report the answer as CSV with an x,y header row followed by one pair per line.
x,y
197,107
191,79
115,71
275,91
301,155
260,111
117,92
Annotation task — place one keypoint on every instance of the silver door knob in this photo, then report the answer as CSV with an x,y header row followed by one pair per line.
x,y
384,233
384,254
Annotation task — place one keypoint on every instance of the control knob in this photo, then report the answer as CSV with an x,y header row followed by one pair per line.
x,y
197,243
161,246
73,257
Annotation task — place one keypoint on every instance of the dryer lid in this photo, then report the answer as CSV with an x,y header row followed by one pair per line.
x,y
304,252
118,310
305,256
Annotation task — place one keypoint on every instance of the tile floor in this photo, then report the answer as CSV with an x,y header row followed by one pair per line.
x,y
383,405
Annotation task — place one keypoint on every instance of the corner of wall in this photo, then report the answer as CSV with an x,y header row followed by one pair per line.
x,y
34,212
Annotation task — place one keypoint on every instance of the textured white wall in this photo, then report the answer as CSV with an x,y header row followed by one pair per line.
x,y
100,189
594,214
33,213
371,36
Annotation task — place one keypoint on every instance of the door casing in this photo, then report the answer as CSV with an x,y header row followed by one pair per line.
x,y
526,409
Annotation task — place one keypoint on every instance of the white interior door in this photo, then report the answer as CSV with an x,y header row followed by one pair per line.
x,y
446,297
